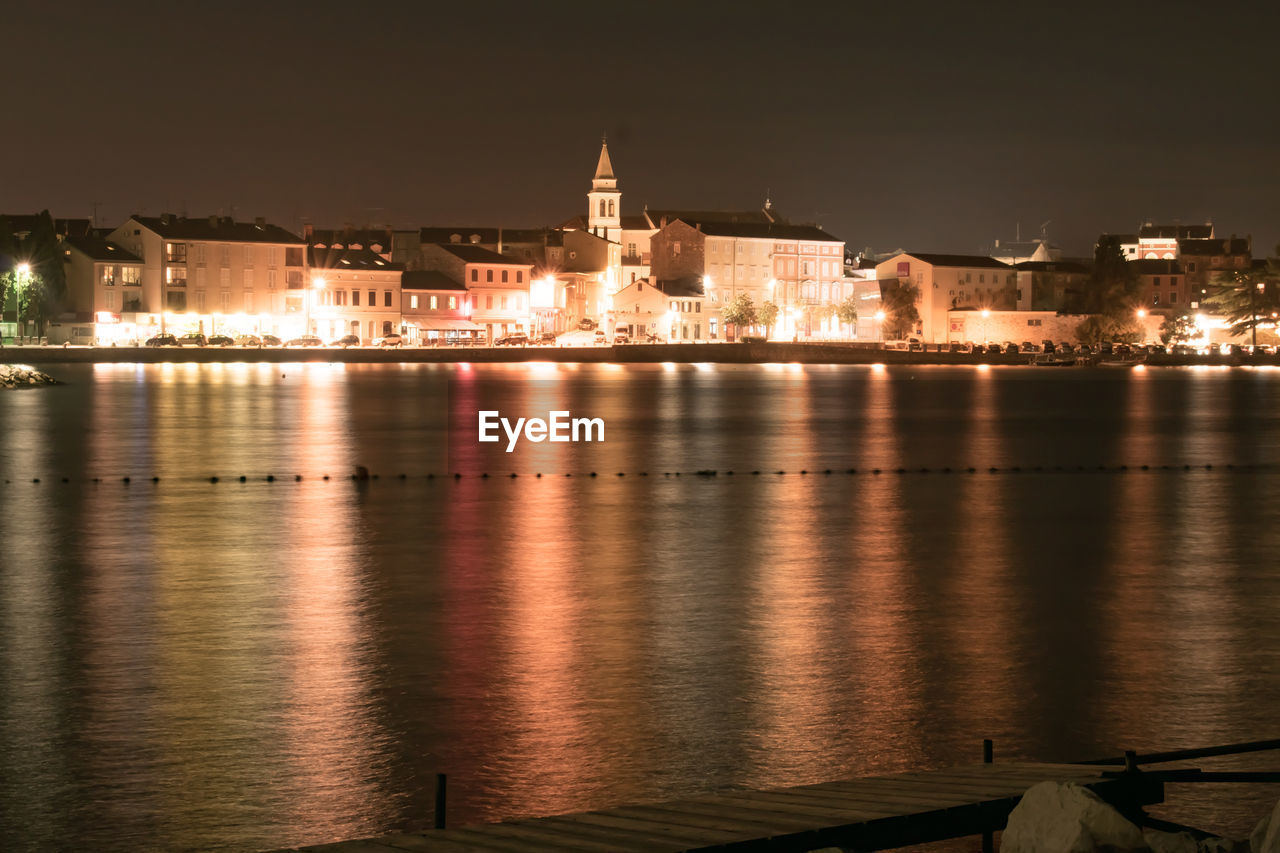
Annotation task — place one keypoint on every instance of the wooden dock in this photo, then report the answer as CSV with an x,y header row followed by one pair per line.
x,y
876,813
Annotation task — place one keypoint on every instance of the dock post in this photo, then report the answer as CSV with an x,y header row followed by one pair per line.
x,y
441,793
988,757
1130,761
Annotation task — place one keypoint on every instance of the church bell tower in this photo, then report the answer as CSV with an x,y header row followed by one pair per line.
x,y
604,202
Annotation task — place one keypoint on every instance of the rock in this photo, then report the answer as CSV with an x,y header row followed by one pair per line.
x,y
1065,817
23,376
1170,842
1223,845
1265,837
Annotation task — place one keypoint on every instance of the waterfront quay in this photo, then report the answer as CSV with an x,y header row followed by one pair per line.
x,y
772,352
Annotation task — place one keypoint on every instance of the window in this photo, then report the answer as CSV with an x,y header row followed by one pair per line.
x,y
675,247
1173,299
413,301
504,276
1173,281
453,303
519,276
176,300
373,299
248,256
488,275
355,297
602,208
224,256
226,301
435,303
248,279
339,297
224,277
488,302
386,299
697,331
248,302
200,301
199,253
175,276
271,279
1155,282
504,303
981,278
111,300
475,274
1191,267
175,253
109,276
697,309
131,275
631,249
611,207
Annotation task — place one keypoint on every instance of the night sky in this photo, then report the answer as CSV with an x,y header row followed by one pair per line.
x,y
888,124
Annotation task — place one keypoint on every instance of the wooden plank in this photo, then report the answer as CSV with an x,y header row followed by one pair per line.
x,y
541,836
784,821
887,800
818,812
451,841
684,836
931,788
760,829
359,845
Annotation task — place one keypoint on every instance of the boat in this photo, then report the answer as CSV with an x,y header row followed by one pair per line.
x,y
1048,359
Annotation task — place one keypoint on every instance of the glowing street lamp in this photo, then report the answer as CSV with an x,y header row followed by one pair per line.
x,y
879,320
317,285
23,271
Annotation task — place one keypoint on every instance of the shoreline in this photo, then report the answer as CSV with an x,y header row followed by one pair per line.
x,y
717,353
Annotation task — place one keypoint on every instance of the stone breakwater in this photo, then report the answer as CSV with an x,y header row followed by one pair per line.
x,y
23,376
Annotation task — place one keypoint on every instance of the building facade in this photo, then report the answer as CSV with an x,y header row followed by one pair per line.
x,y
104,295
951,282
498,285
218,276
353,292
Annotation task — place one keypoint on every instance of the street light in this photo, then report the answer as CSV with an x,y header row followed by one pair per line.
x,y
317,285
23,270
879,320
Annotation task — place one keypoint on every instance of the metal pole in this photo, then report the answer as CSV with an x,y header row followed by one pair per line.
x,y
988,757
441,794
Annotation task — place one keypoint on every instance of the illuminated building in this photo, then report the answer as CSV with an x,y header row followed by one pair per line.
x,y
104,295
948,282
217,276
354,292
435,309
498,285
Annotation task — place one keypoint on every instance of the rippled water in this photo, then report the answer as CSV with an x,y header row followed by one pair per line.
x,y
187,665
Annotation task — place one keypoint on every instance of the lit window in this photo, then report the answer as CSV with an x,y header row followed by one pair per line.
x,y
453,302
413,300
434,303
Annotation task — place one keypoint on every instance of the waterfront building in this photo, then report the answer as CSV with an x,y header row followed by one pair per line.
x,y
1203,259
217,276
1160,242
799,268
498,285
951,282
1162,285
380,241
1044,285
353,291
435,309
103,304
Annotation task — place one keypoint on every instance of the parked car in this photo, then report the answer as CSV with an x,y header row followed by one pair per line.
x,y
547,339
391,340
162,341
192,339
586,324
1010,348
1027,347
271,341
515,339
621,338
220,341
599,337
248,341
304,341
346,341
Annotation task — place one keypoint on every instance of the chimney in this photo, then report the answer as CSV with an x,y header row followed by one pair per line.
x,y
308,231
165,218
499,240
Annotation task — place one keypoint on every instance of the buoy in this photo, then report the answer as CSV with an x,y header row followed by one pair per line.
x,y
124,480
243,478
362,473
271,478
211,479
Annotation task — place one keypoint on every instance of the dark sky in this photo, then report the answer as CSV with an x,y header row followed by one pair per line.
x,y
934,128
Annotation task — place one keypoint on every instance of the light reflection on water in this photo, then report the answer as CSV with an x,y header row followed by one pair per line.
x,y
186,665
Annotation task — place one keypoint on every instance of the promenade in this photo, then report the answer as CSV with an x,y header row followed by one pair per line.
x,y
709,353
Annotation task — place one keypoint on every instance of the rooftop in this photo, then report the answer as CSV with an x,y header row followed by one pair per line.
x,y
1174,232
103,250
975,261
477,254
221,229
429,280
349,259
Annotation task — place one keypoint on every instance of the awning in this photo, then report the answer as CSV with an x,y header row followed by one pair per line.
x,y
447,324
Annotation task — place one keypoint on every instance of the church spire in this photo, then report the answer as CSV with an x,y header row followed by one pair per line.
x,y
604,169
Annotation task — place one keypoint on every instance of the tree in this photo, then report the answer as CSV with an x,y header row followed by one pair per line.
x,y
847,311
898,300
1247,298
1178,329
1111,297
767,316
44,285
739,311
